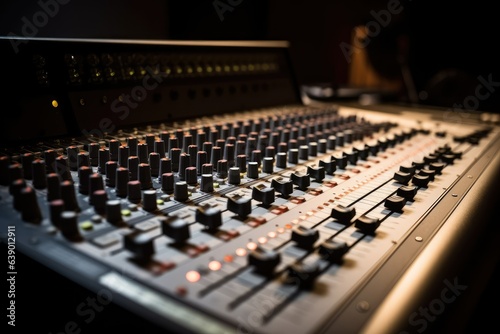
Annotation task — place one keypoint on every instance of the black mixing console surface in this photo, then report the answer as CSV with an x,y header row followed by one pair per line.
x,y
189,183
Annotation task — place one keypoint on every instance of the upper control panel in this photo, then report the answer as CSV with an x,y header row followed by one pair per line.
x,y
94,87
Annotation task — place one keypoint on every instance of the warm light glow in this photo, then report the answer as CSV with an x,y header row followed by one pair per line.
x,y
280,230
251,245
271,235
55,104
241,252
229,258
214,265
262,240
193,276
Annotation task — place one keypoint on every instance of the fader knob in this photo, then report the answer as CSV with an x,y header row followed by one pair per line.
x,y
264,260
366,224
175,228
140,244
332,250
304,237
304,274
301,180
209,216
343,214
285,188
242,206
264,195
407,192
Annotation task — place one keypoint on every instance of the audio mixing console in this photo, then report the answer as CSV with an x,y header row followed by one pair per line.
x,y
189,183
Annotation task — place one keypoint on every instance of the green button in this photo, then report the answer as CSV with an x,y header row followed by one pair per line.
x,y
126,213
87,225
159,201
216,185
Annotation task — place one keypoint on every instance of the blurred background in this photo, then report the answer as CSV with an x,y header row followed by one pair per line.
x,y
418,52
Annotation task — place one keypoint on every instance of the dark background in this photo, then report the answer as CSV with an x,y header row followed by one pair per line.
x,y
450,46
451,43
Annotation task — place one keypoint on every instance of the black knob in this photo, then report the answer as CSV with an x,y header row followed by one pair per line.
x,y
114,146
5,180
301,180
99,199
207,183
167,182
191,176
165,167
242,206
181,191
241,162
111,167
69,226
121,181
95,183
30,211
343,214
222,167
26,163
408,169
133,167
366,224
304,237
341,161
407,192
418,164
420,180
329,167
268,165
93,149
175,228
427,172
103,158
201,159
142,152
114,212
56,207
209,216
253,170
123,154
332,250
317,173
193,155
134,191
140,244
84,173
132,144
154,163
50,157
53,186
72,154
144,176
293,155
331,142
175,154
215,155
264,261
264,195
149,200
69,197
234,176
395,203
304,274
15,190
281,158
303,152
402,177
285,188
39,174
437,167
